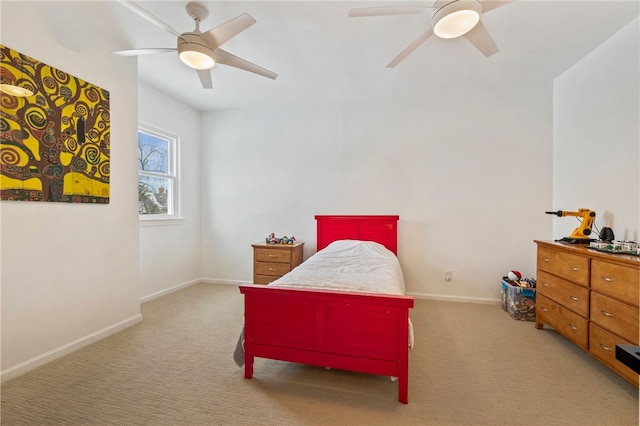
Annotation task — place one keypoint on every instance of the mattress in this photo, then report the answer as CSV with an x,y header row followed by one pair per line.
x,y
348,265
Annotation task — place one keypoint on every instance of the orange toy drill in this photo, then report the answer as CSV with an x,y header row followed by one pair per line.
x,y
582,232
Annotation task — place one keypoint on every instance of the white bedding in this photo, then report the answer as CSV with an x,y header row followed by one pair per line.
x,y
348,265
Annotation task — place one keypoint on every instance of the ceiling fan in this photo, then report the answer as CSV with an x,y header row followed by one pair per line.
x,y
450,19
201,50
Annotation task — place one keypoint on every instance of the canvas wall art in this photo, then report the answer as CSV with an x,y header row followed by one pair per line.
x,y
54,145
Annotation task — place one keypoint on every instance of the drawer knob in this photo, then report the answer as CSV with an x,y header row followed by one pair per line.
x,y
573,327
575,299
607,314
272,269
607,279
545,260
544,309
606,348
574,269
545,284
271,255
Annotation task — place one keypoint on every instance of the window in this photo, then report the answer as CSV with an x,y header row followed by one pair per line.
x,y
157,174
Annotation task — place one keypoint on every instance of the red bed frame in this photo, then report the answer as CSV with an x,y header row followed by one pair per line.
x,y
360,332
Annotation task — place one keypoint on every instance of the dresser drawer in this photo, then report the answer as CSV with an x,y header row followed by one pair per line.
x,y
572,296
616,281
602,345
566,322
615,316
268,268
272,255
565,265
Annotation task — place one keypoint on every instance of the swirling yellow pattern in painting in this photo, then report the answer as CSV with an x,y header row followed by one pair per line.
x,y
55,145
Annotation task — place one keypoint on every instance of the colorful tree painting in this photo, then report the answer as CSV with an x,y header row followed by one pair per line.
x,y
54,145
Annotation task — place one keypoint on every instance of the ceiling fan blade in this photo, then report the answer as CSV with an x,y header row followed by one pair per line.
x,y
139,52
217,36
386,11
480,38
226,58
148,16
410,48
488,5
205,78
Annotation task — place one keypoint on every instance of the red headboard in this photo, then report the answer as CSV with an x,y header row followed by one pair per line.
x,y
381,229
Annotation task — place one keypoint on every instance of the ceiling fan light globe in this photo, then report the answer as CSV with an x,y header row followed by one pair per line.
x,y
197,60
456,18
194,52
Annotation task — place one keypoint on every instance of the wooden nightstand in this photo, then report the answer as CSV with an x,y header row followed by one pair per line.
x,y
271,261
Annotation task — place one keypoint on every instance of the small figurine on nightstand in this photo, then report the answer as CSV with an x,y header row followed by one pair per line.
x,y
287,240
271,239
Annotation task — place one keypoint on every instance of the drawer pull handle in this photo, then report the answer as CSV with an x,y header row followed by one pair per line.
x,y
575,299
573,327
545,260
272,255
607,314
545,284
272,269
574,269
606,348
544,309
607,279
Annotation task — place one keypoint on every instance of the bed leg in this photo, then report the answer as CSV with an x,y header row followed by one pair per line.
x,y
403,389
248,366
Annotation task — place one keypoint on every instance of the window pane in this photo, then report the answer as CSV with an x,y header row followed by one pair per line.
x,y
153,195
153,153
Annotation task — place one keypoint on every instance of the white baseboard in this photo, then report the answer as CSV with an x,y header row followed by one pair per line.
x,y
63,350
442,297
461,299
169,290
224,282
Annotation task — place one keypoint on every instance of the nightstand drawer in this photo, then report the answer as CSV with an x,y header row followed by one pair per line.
x,y
264,279
272,255
268,268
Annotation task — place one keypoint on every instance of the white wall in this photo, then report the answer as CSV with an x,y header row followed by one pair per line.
x,y
597,137
470,178
170,251
70,271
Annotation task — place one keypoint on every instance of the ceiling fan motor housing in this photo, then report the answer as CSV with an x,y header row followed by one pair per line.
x,y
453,18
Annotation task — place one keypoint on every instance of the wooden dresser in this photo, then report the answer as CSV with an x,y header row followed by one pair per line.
x,y
591,298
271,261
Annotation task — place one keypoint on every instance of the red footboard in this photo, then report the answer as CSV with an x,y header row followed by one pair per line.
x,y
351,331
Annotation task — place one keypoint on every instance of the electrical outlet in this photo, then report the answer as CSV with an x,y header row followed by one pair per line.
x,y
448,275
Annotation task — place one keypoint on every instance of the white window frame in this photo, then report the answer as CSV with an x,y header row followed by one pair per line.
x,y
174,211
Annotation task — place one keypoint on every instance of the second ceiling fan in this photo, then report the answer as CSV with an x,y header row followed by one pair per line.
x,y
450,19
201,50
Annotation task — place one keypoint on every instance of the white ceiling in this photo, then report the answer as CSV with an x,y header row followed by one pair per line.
x,y
322,55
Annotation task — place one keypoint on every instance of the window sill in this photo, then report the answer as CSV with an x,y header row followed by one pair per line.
x,y
161,221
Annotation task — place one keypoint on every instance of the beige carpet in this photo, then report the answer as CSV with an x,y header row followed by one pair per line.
x,y
472,364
